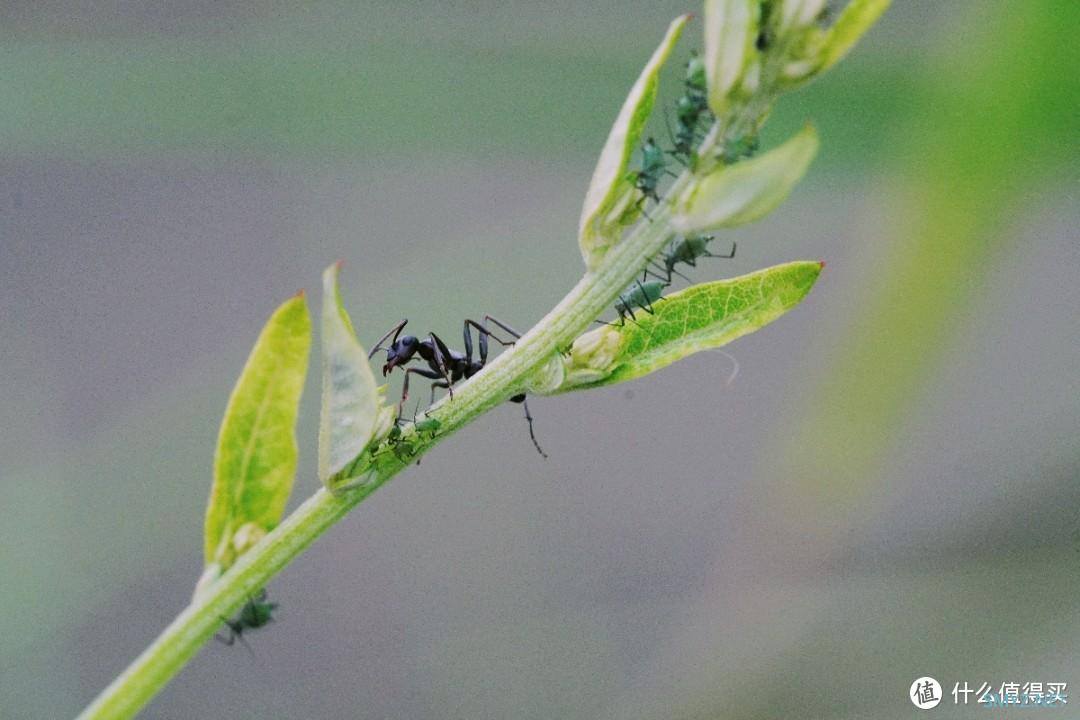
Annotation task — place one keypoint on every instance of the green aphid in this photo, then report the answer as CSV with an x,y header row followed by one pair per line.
x,y
684,251
256,613
691,110
653,166
405,444
428,425
740,149
640,297
695,74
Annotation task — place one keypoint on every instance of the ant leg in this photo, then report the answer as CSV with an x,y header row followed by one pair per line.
x,y
466,336
504,326
441,354
529,419
434,385
430,374
484,333
395,331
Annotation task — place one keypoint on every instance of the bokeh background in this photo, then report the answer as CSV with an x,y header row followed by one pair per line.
x,y
888,489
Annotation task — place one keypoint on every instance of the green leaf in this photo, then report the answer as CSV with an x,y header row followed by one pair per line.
x,y
854,21
256,452
747,191
731,27
701,317
611,191
350,396
798,14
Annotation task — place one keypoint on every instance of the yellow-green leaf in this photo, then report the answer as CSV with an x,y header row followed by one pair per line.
x,y
611,184
731,27
256,452
747,191
857,17
701,317
350,397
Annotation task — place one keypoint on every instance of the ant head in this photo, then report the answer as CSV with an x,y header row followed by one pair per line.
x,y
400,352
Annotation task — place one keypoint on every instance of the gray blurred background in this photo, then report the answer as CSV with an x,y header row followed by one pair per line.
x,y
887,490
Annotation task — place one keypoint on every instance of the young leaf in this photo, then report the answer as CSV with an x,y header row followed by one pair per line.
x,y
747,191
256,451
853,22
612,186
795,14
350,397
701,317
731,27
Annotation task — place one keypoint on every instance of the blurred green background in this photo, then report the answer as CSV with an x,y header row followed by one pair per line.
x,y
888,489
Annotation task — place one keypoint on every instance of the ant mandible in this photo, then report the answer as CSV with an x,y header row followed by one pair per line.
x,y
445,366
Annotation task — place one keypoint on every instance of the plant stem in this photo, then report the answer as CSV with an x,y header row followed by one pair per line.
x,y
502,378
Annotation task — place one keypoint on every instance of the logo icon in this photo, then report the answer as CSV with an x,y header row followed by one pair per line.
x,y
925,693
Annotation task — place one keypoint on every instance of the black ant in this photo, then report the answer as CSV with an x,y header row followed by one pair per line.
x,y
256,613
446,366
684,250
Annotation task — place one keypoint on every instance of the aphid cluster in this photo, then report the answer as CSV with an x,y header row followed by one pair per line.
x,y
644,292
692,119
403,445
445,367
692,114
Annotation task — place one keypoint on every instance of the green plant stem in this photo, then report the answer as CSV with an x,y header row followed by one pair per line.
x,y
502,378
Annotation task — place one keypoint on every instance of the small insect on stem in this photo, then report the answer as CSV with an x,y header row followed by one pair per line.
x,y
445,366
653,167
685,251
256,613
691,112
639,297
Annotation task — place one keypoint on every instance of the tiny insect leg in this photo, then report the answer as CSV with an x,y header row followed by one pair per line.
x,y
532,435
233,634
725,257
